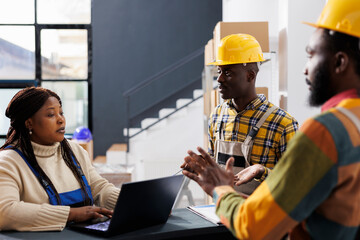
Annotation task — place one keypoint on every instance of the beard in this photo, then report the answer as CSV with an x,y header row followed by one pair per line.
x,y
320,87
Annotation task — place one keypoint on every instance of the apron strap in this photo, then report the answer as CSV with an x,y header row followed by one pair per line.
x,y
351,116
254,130
246,147
219,125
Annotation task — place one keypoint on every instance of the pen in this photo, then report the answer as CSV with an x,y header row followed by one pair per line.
x,y
184,168
178,172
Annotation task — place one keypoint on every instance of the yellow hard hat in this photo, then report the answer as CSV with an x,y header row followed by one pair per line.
x,y
238,48
341,16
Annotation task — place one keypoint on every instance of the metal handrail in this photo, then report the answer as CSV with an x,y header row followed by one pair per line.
x,y
173,112
164,72
151,79
166,97
166,116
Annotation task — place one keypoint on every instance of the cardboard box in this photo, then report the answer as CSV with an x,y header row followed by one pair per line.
x,y
88,146
207,106
283,102
117,178
214,99
100,159
262,90
260,30
116,174
209,52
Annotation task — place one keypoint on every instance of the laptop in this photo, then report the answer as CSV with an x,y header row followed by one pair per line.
x,y
139,205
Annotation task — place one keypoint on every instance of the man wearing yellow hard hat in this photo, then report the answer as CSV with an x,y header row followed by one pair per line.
x,y
246,126
314,191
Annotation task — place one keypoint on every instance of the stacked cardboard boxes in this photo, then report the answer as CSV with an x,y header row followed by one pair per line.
x,y
259,30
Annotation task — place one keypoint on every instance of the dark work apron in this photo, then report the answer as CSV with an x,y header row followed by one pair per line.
x,y
241,151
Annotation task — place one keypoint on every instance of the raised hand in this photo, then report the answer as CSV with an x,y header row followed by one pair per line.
x,y
249,174
206,172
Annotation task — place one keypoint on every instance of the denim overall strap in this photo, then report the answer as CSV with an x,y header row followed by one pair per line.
x,y
87,186
43,182
72,198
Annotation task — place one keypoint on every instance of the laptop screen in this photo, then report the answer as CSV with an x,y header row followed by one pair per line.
x,y
140,204
145,203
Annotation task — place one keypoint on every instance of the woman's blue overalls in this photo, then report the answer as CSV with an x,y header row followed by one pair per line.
x,y
73,198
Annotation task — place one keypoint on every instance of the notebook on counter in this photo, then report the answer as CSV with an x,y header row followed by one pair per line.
x,y
207,212
140,204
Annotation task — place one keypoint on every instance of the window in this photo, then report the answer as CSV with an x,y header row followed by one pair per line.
x,y
5,97
64,11
74,97
47,43
11,13
64,54
17,49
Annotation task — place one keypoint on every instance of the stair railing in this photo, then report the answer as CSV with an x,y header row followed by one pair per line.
x,y
169,69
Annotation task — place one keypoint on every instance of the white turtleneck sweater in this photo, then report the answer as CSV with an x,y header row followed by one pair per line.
x,y
24,204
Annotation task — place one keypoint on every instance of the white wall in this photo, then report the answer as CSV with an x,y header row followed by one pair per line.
x,y
254,11
288,37
243,11
298,37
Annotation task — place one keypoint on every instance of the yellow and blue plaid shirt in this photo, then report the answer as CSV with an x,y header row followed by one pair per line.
x,y
271,139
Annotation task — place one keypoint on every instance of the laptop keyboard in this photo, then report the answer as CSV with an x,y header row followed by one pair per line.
x,y
102,226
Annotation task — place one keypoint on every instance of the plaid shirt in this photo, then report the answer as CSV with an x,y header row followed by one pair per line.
x,y
272,138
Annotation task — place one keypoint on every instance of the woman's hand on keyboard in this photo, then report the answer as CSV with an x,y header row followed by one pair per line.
x,y
82,214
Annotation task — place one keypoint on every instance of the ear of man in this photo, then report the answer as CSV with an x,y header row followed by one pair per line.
x,y
251,75
341,62
252,70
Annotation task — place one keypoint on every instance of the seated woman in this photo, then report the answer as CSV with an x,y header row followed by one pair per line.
x,y
45,180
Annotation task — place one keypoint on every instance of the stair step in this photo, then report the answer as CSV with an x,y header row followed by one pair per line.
x,y
116,154
148,121
182,101
165,111
132,131
100,159
118,147
197,93
146,149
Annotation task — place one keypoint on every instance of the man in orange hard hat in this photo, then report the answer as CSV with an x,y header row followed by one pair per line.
x,y
246,126
314,191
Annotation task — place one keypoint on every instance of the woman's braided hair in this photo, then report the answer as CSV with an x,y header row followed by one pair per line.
x,y
22,106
